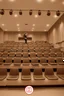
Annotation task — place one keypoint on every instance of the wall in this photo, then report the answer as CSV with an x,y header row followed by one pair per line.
x,y
56,33
13,36
1,35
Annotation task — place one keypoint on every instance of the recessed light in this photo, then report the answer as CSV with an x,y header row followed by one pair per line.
x,y
11,0
63,2
15,15
2,24
45,30
33,24
39,1
18,24
47,25
55,16
36,16
52,0
5,29
1,0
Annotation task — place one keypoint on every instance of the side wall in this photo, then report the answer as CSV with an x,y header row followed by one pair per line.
x,y
56,33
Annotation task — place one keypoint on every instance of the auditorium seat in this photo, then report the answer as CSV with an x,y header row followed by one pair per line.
x,y
1,60
44,61
18,54
26,62
13,74
37,74
26,74
60,61
8,61
33,54
60,73
17,61
49,74
34,62
25,55
3,73
51,61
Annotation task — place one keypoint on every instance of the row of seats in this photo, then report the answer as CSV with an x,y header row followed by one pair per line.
x,y
37,74
31,61
31,54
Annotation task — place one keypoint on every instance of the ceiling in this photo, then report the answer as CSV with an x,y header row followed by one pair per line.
x,y
9,23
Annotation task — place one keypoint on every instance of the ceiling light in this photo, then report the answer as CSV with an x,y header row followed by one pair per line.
x,y
20,12
52,0
45,30
11,12
39,12
47,25
30,12
33,24
11,0
18,24
55,16
48,13
5,29
36,16
0,0
2,11
2,24
58,13
15,15
63,2
39,1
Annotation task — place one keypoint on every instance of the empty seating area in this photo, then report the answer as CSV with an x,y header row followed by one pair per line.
x,y
34,63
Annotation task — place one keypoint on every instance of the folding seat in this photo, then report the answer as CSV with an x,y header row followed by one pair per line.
x,y
25,50
33,54
39,54
60,61
31,49
46,54
18,54
11,54
5,54
3,73
59,54
37,50
51,61
44,61
34,62
26,62
25,55
26,74
13,74
19,50
8,61
49,74
1,60
37,74
17,61
60,73
52,54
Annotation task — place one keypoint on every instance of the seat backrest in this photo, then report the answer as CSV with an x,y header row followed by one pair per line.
x,y
26,71
34,60
49,71
26,60
14,71
60,71
43,60
17,60
3,71
37,71
8,60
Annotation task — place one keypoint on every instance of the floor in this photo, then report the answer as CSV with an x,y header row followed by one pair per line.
x,y
38,91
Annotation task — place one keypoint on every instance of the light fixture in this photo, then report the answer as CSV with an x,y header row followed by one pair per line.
x,y
36,16
55,16
2,11
47,25
11,12
39,12
20,12
15,15
58,13
33,24
48,13
18,24
52,0
30,12
63,2
0,0
11,0
39,1
2,24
